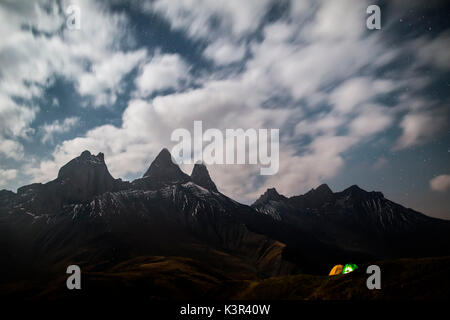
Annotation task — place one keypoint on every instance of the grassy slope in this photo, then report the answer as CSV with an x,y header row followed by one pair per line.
x,y
427,278
176,278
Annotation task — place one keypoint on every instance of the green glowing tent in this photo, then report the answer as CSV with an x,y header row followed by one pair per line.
x,y
349,268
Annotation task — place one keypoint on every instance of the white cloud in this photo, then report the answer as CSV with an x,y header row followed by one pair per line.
x,y
306,66
102,83
356,91
225,52
324,123
419,127
440,183
321,161
434,51
163,71
233,17
56,127
15,118
7,175
11,149
371,121
30,60
222,23
334,20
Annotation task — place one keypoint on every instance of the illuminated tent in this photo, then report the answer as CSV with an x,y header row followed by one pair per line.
x,y
340,269
349,268
337,269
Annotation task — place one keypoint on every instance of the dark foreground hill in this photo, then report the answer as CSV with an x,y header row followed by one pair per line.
x,y
145,279
169,235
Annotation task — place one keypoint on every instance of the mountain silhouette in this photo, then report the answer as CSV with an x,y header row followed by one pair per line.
x,y
168,220
164,169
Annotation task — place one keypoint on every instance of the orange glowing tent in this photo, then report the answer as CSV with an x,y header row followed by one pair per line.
x,y
337,269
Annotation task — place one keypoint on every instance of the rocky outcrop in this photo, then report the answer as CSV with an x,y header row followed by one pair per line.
x,y
201,177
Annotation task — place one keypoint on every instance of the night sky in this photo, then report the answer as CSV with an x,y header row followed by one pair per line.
x,y
354,106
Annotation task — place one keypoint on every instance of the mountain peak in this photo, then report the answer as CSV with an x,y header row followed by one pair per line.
x,y
164,156
83,177
271,194
324,189
355,190
80,164
314,197
200,176
164,169
85,154
101,156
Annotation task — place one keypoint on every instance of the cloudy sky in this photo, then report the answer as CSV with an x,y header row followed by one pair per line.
x,y
354,106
